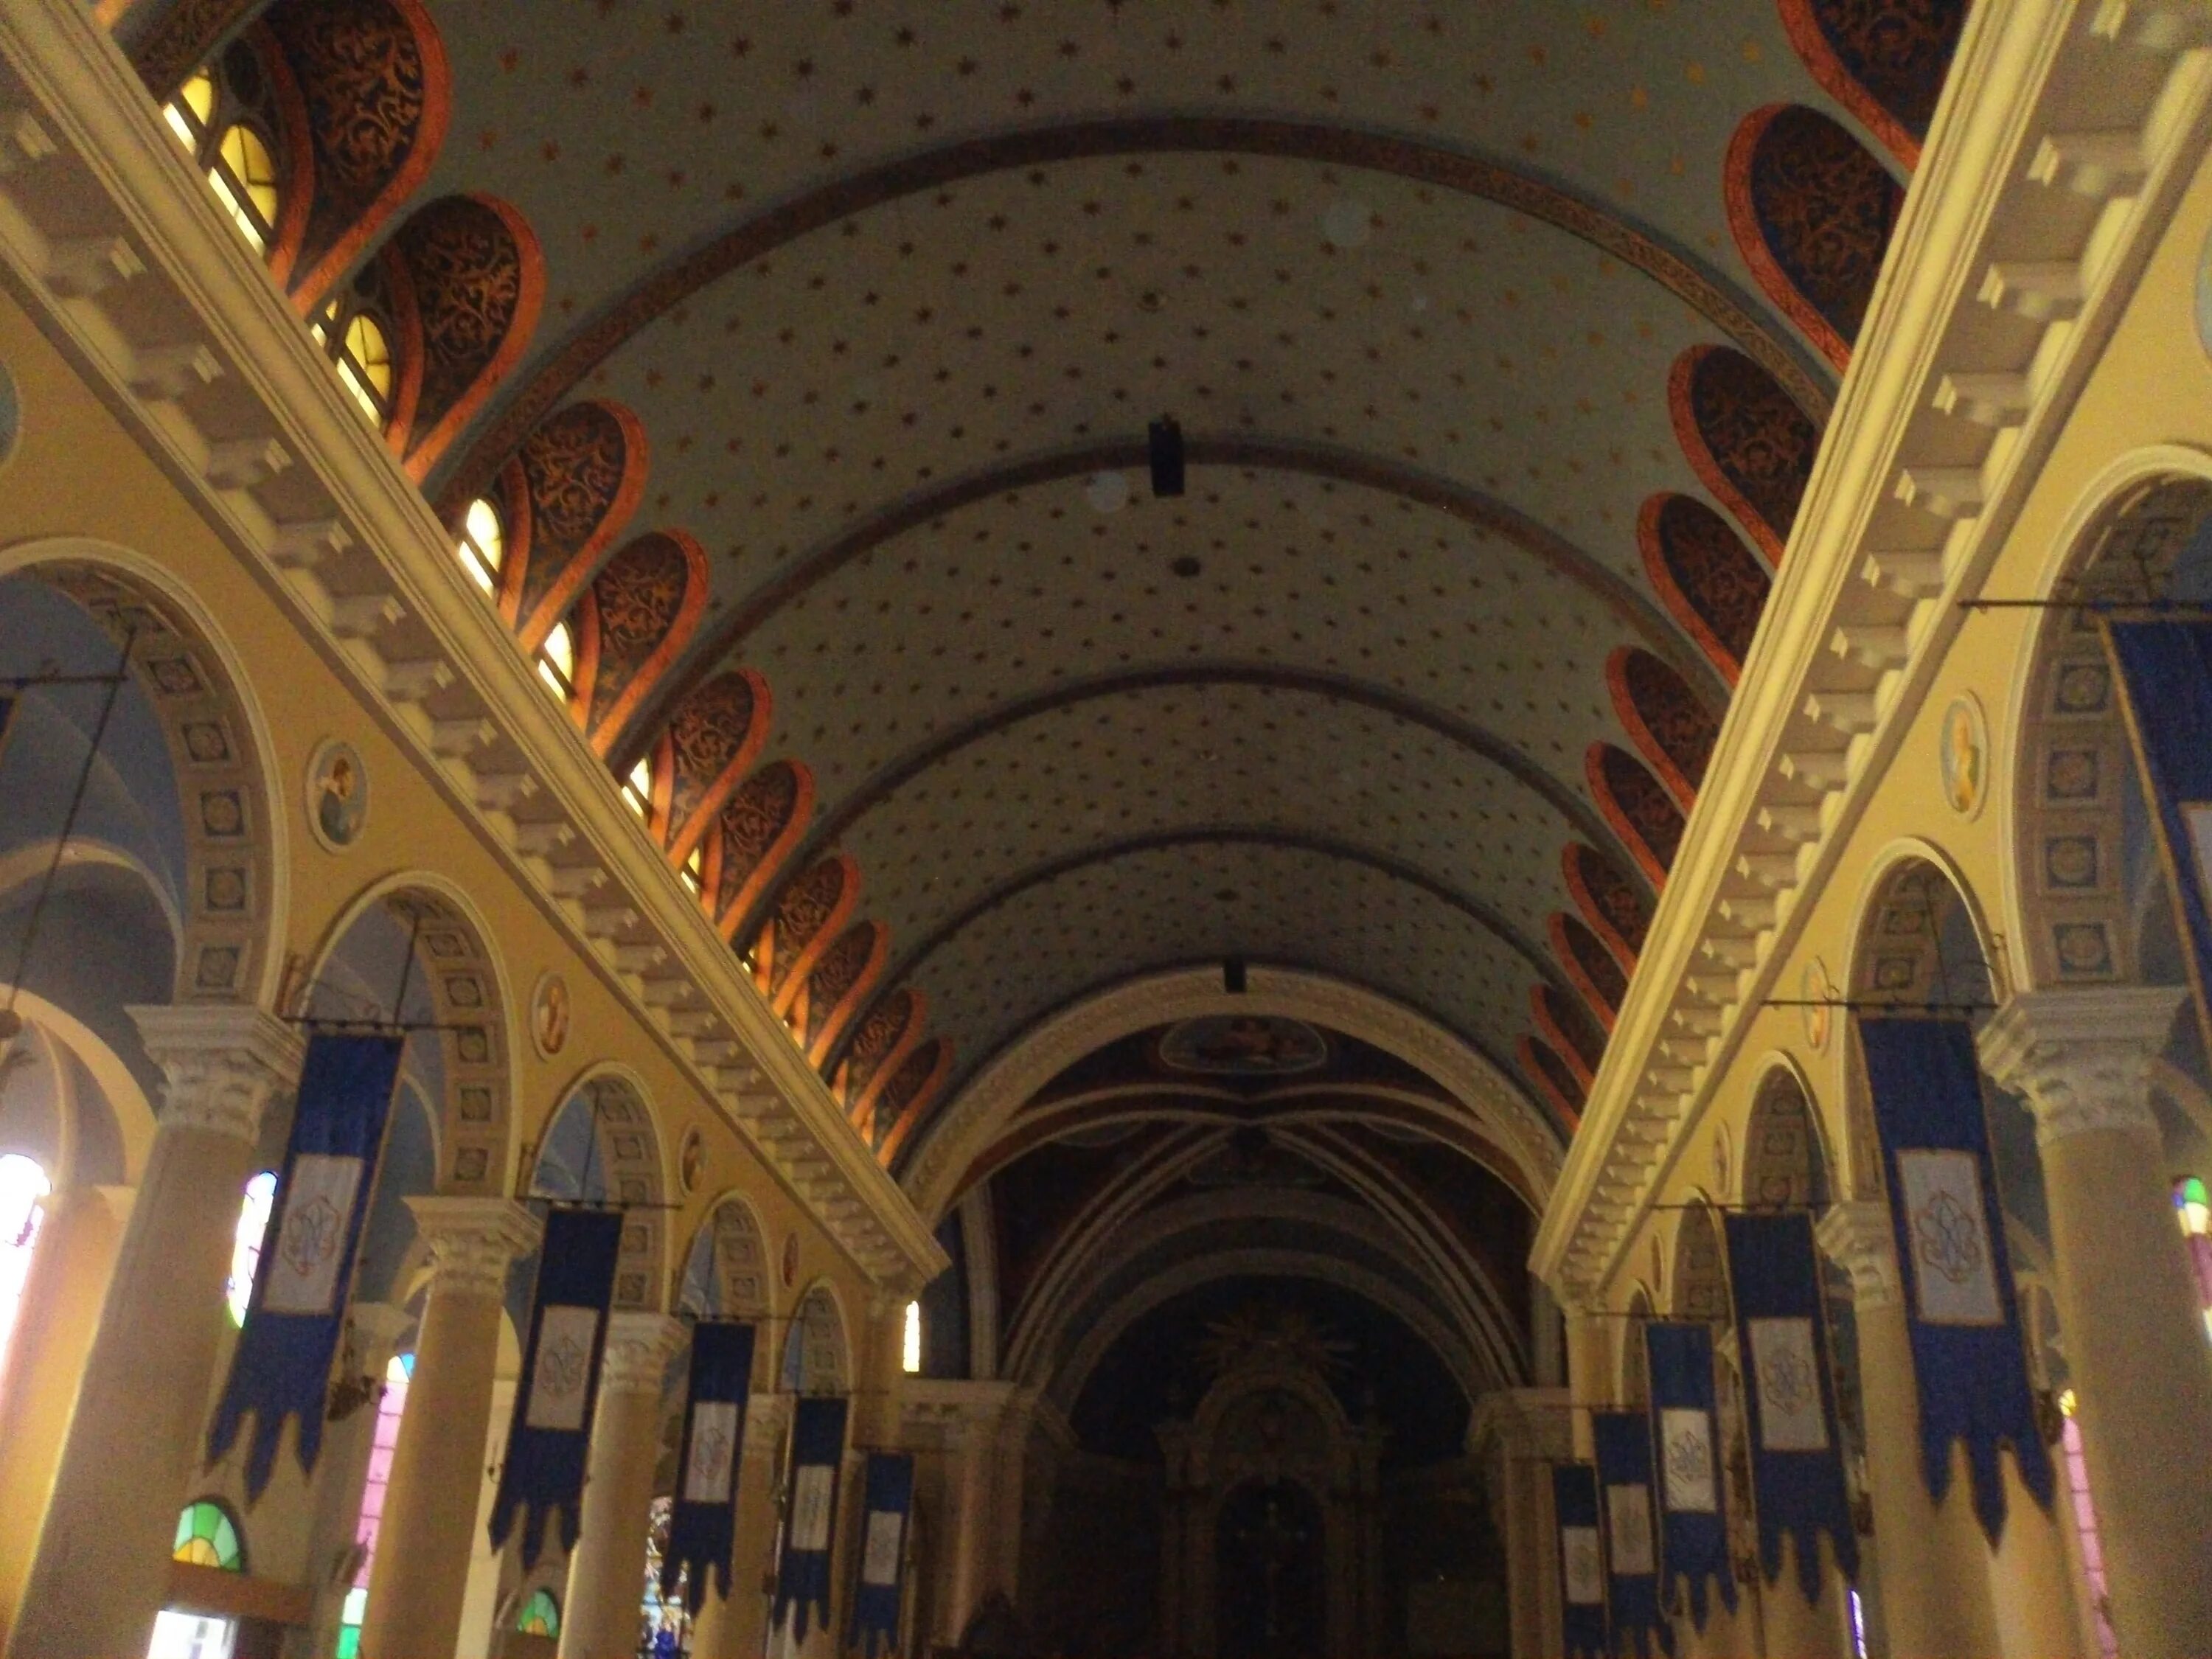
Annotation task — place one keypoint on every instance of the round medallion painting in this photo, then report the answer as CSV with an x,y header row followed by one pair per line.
x,y
1963,757
1243,1045
549,1015
1820,993
337,795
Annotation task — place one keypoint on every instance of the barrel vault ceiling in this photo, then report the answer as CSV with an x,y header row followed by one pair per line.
x,y
893,291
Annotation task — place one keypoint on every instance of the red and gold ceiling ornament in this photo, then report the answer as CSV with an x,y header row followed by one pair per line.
x,y
907,1098
1612,903
713,738
810,914
1670,727
1812,209
564,500
1884,63
1638,806
1567,1029
1590,968
759,827
839,983
632,624
891,1031
1555,1081
1711,583
1744,439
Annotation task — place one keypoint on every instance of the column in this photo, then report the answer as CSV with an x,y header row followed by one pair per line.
x,y
2127,1302
101,1568
375,1332
736,1629
1933,1561
1518,1433
420,1576
79,1238
606,1571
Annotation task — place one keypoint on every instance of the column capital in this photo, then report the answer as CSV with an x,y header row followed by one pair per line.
x,y
221,1062
639,1347
473,1240
2078,1056
1858,1237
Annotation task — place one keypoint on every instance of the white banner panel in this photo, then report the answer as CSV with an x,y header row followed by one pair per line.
x,y
304,1277
1785,1360
1954,1270
879,1564
1585,1566
1628,1523
714,1448
1685,1452
563,1377
810,1490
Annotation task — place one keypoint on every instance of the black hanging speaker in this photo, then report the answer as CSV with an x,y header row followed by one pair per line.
x,y
1232,976
1164,438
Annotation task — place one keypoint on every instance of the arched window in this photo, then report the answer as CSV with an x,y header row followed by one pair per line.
x,y
23,1189
382,1444
540,1614
355,331
207,1536
556,661
2192,1207
482,548
222,118
910,1342
637,788
246,1244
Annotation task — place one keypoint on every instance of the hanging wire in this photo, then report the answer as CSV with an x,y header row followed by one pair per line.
x,y
11,1022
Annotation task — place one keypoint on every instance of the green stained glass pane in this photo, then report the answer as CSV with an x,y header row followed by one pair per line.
x,y
349,1641
540,1615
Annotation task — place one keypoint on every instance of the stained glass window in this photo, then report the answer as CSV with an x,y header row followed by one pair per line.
x,y
540,1614
910,1343
663,1626
23,1190
207,1537
359,349
383,1442
2085,1525
482,545
637,787
208,117
556,661
246,1244
2192,1207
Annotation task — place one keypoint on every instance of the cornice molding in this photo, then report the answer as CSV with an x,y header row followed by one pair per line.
x,y
1860,620
121,256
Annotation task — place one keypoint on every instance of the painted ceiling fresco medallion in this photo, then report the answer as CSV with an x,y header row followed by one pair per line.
x,y
1820,995
550,1015
337,795
1243,1045
1963,756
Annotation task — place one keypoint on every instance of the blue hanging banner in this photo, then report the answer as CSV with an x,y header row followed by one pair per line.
x,y
1581,1562
1632,1543
1693,1544
888,1502
817,1449
2165,678
296,1312
550,1433
1790,1402
703,1527
1967,1354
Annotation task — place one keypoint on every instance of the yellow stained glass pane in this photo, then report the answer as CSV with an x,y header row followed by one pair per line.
x,y
253,168
556,660
484,544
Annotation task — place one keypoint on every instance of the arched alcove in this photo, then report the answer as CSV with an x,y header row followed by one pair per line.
x,y
1711,583
1745,439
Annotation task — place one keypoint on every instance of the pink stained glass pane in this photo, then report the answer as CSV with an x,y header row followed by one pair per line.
x,y
2085,1525
385,1440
